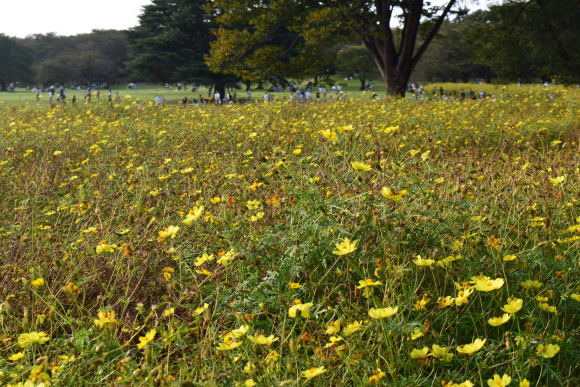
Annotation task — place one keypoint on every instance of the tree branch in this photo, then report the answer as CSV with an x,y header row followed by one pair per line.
x,y
433,32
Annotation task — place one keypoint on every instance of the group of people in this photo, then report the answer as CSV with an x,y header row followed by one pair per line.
x,y
300,96
59,94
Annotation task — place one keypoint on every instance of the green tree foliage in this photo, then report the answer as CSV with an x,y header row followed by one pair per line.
x,y
530,40
264,41
170,42
449,57
14,62
86,58
356,60
249,23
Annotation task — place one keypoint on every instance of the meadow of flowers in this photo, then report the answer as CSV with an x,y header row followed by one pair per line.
x,y
344,243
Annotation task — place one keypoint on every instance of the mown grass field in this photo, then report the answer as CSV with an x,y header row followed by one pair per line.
x,y
147,92
353,242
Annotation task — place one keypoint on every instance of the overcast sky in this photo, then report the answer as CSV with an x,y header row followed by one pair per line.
x,y
69,17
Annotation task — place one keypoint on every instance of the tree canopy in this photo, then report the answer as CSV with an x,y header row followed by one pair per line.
x,y
356,60
220,42
170,43
529,39
318,23
14,62
85,58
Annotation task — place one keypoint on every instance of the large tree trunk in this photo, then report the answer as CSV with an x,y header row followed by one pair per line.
x,y
397,63
398,86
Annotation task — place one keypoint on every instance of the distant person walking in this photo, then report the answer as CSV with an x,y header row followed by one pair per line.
x,y
61,94
50,94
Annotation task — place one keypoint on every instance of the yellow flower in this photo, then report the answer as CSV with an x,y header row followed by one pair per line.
x,y
497,321
329,135
368,282
510,258
239,332
441,353
471,348
203,259
17,356
201,309
378,374
303,308
547,351
215,200
420,261
248,383
103,247
168,312
417,332
144,340
193,215
253,204
547,307
388,193
297,151
383,312
37,282
498,381
71,288
345,247
272,357
575,297
447,261
225,259
352,328
334,327
228,345
466,383
167,233
258,216
421,353
333,341
513,305
444,302
367,285
27,339
524,383
360,166
422,303
204,272
106,319
249,368
486,284
294,285
463,296
167,273
556,180
494,242
312,372
262,340
531,284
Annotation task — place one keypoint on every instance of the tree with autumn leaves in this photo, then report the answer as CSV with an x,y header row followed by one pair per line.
x,y
389,30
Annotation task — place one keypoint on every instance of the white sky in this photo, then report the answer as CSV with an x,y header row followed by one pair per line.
x,y
67,17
